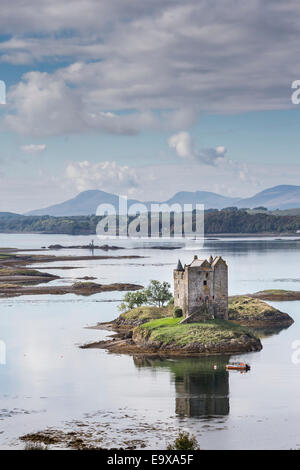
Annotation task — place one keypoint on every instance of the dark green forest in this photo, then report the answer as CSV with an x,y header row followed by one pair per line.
x,y
216,222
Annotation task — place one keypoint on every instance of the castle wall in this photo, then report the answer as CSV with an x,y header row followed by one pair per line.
x,y
180,290
200,287
202,291
203,312
221,289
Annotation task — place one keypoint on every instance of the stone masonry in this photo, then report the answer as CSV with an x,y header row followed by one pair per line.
x,y
201,289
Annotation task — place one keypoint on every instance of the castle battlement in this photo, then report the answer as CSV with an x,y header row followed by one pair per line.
x,y
201,288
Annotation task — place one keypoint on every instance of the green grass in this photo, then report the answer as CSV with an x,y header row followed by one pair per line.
x,y
6,256
161,322
145,313
274,291
169,330
21,272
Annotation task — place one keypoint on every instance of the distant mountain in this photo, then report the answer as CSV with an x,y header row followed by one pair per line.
x,y
278,197
9,215
210,200
86,203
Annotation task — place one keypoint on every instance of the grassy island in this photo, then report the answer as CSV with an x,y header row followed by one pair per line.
x,y
211,337
251,311
153,330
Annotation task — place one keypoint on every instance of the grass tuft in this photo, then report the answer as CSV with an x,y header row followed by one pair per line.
x,y
169,330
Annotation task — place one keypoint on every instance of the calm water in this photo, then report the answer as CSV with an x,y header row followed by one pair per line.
x,y
49,381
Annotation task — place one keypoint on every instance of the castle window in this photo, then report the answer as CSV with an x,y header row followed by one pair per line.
x,y
205,283
206,275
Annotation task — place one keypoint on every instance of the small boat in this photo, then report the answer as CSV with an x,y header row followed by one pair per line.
x,y
238,366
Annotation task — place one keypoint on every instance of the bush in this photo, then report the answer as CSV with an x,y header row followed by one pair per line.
x,y
177,312
158,293
184,441
35,446
133,299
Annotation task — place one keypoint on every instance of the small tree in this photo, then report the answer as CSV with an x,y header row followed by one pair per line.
x,y
158,293
133,299
184,441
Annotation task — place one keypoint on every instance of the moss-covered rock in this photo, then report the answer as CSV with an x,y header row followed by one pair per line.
x,y
254,312
167,335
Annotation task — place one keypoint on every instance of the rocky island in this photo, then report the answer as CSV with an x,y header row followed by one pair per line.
x,y
154,331
253,312
277,295
200,320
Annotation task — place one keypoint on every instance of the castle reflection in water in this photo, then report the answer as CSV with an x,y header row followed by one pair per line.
x,y
201,390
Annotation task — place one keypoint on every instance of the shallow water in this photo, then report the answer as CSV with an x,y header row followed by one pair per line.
x,y
49,381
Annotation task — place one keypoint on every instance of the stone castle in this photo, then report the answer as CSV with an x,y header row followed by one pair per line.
x,y
201,289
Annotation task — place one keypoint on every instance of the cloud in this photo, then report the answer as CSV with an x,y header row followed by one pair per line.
x,y
33,148
211,156
160,182
183,145
149,183
152,64
44,105
228,178
2,92
107,176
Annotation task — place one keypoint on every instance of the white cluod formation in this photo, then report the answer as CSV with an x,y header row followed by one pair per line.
x,y
2,92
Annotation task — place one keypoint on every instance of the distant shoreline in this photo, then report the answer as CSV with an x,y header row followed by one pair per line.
x,y
225,223
253,235
208,236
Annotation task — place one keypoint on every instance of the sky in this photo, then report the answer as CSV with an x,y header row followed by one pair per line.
x,y
146,98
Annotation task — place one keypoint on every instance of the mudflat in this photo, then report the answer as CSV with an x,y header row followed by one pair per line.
x,y
17,279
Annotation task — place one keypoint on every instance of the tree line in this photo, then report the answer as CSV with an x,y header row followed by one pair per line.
x,y
216,222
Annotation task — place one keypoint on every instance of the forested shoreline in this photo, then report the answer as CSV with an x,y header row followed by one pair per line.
x,y
216,222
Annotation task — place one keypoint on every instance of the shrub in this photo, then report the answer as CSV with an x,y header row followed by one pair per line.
x,y
133,299
35,446
158,293
184,441
177,312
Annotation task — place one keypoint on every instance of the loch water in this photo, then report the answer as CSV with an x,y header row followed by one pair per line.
x,y
48,381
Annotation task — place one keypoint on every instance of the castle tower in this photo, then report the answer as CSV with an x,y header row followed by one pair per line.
x,y
201,289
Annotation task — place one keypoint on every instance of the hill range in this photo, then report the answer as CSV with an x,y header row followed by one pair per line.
x,y
281,197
